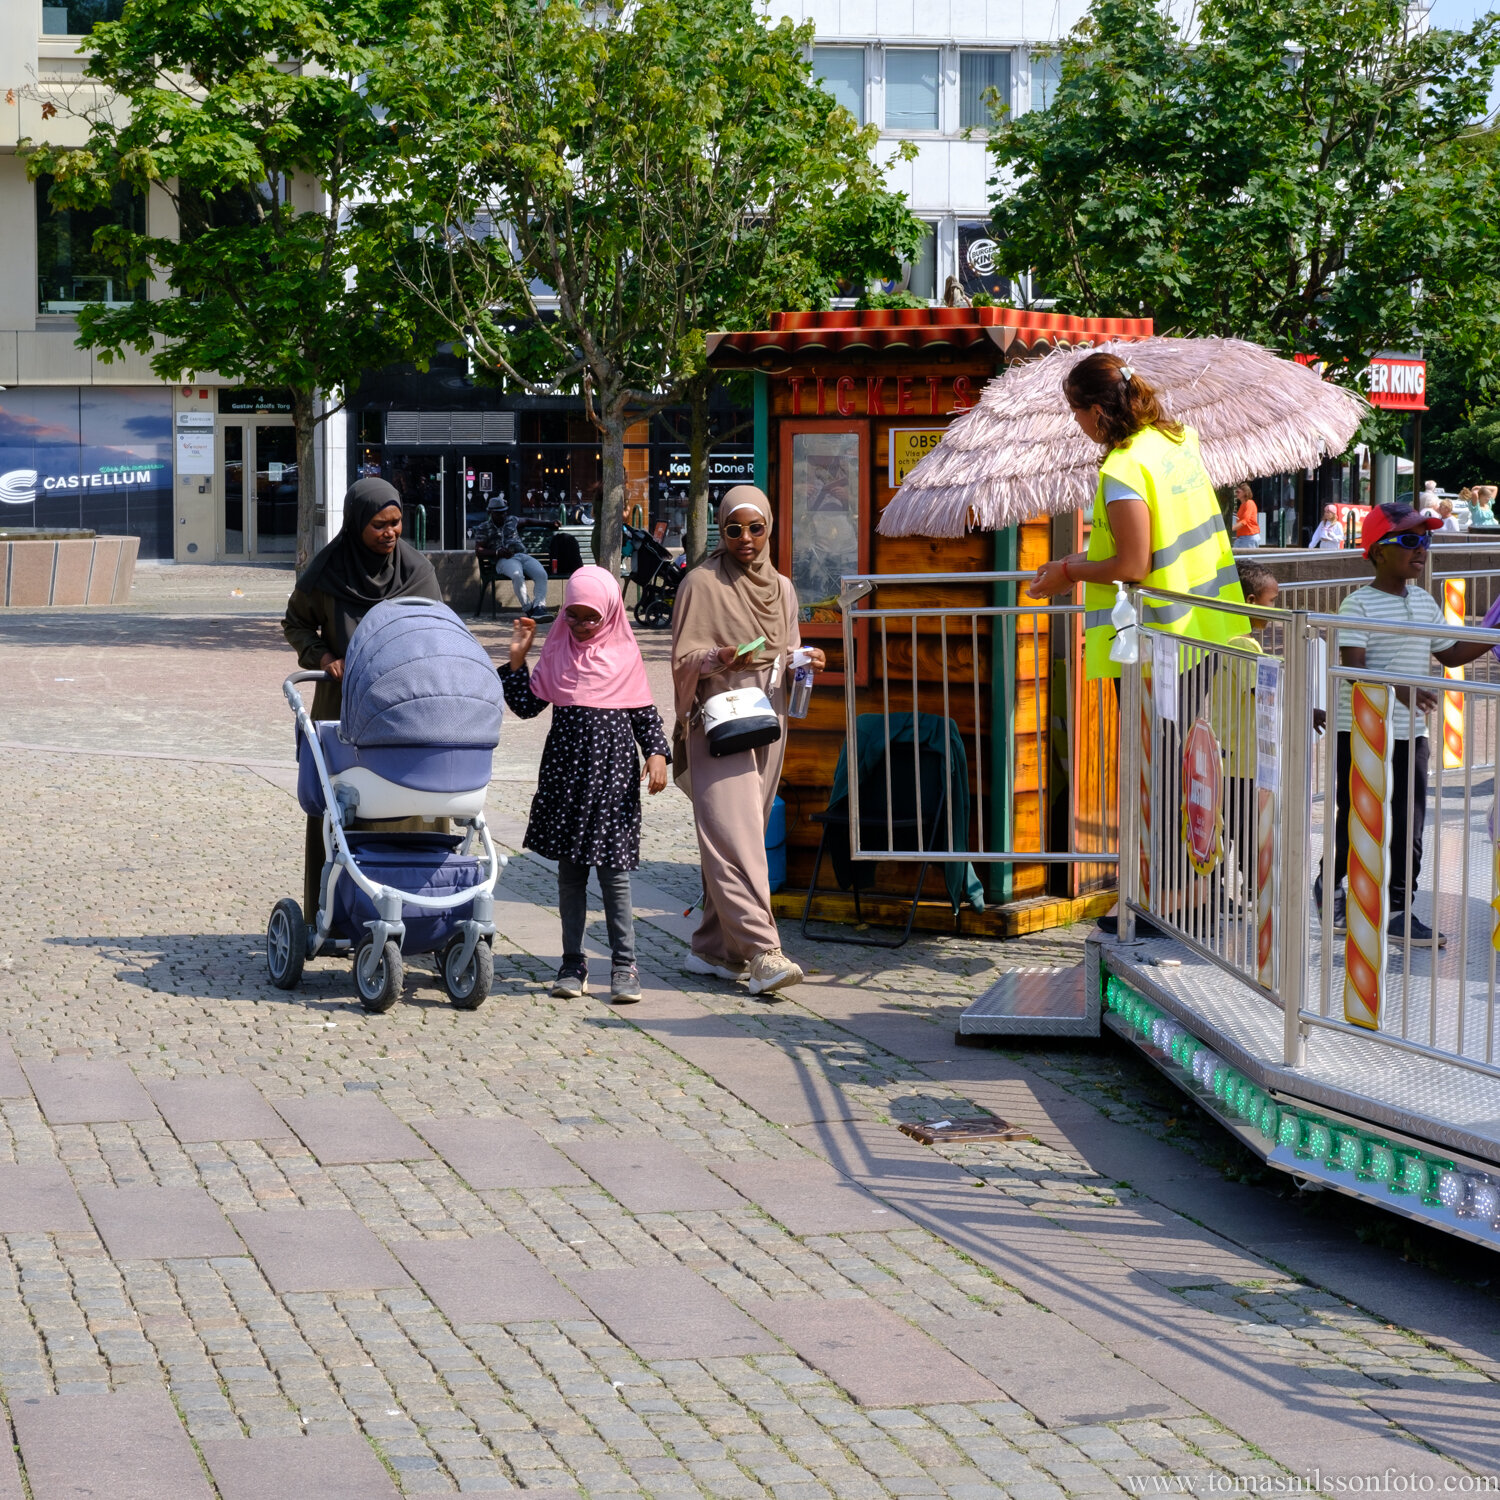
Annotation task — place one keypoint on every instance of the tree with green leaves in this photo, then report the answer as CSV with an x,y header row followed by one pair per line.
x,y
597,188
1292,172
249,116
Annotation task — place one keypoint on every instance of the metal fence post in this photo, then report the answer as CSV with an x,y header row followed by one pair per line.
x,y
1128,759
1296,831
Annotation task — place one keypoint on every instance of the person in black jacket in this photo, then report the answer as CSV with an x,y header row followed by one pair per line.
x,y
499,539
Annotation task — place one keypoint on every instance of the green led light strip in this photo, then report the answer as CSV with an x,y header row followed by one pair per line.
x,y
1402,1170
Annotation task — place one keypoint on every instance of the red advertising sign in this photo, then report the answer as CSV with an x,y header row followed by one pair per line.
x,y
1397,382
1202,789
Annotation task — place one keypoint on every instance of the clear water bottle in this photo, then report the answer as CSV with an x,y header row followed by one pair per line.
x,y
799,695
1126,645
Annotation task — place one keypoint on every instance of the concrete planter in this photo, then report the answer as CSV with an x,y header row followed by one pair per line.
x,y
67,571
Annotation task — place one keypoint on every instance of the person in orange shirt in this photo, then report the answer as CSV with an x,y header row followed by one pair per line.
x,y
1246,517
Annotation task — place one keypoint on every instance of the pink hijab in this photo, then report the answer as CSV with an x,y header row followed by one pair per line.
x,y
605,672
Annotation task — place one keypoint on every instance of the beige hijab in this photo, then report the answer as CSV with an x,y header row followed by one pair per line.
x,y
724,603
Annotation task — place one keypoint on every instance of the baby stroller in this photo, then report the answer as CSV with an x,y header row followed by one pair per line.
x,y
655,574
421,719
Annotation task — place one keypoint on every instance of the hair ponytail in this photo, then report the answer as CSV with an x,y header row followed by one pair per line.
x,y
1124,400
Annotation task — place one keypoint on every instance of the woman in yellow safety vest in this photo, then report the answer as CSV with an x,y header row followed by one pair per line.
x,y
1156,517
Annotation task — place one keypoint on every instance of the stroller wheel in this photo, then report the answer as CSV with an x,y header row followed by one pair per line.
x,y
382,989
286,943
655,612
470,989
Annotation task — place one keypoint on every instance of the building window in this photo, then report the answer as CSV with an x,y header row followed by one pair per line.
x,y
77,17
1046,71
70,272
983,89
922,277
911,89
841,71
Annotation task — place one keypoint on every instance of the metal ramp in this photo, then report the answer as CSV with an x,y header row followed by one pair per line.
x,y
1038,1002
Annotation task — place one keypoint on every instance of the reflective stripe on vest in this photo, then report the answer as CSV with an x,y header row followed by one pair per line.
x,y
1190,552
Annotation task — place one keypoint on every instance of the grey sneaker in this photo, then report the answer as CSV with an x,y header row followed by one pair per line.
x,y
720,968
624,984
1422,936
772,970
571,982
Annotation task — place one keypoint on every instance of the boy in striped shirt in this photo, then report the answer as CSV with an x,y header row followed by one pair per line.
x,y
1395,539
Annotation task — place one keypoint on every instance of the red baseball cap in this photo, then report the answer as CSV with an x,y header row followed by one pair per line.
x,y
1381,520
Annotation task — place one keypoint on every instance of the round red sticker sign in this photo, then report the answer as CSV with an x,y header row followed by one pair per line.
x,y
1202,797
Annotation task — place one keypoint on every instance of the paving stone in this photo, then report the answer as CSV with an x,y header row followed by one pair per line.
x,y
297,1468
75,1091
318,1250
669,1312
124,1445
809,1197
39,1200
650,1176
1054,1371
222,1108
13,1083
160,1223
879,1358
351,1130
1459,1422
498,1153
490,1279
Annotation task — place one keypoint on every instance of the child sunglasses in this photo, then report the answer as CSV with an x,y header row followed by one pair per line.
x,y
735,530
1411,540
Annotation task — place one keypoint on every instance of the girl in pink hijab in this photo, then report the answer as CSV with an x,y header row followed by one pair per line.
x,y
587,810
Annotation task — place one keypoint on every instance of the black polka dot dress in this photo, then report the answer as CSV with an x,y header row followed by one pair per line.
x,y
587,806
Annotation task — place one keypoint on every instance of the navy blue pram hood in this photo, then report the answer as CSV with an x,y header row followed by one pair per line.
x,y
413,675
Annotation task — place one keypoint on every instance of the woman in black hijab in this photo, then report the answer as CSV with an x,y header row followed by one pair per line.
x,y
364,564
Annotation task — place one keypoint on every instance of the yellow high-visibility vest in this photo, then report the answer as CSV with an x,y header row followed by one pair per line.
x,y
1189,547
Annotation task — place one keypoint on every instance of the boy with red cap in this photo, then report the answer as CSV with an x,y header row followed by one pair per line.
x,y
1395,539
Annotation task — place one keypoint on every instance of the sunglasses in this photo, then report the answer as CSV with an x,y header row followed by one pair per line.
x,y
1412,540
734,530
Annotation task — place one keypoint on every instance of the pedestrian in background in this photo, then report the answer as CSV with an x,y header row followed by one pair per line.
x,y
586,813
1246,517
1328,534
500,539
1447,517
1395,539
365,564
733,627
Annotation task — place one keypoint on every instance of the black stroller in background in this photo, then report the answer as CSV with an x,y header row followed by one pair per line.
x,y
655,574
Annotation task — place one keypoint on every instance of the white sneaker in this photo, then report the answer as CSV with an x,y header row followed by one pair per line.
x,y
772,970
720,968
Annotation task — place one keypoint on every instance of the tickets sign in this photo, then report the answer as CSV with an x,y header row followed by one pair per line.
x,y
909,446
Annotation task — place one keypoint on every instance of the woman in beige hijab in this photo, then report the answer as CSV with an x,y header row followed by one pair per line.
x,y
734,599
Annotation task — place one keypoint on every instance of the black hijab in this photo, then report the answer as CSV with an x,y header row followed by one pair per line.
x,y
357,579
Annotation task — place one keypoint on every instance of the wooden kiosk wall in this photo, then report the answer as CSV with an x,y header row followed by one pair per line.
x,y
857,382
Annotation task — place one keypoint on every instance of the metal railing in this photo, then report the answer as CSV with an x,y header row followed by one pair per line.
x,y
1005,669
1341,792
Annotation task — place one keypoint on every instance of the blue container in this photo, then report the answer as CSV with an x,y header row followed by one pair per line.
x,y
776,844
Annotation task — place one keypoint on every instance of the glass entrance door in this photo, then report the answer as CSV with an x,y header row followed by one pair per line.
x,y
232,487
275,491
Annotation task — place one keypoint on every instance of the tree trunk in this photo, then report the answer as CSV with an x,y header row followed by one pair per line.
x,y
696,542
304,424
608,523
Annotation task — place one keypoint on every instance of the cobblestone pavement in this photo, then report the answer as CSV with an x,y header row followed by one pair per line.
x,y
140,883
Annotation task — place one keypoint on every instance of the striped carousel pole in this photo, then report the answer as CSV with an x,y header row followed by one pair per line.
x,y
1368,904
1145,840
1265,886
1454,590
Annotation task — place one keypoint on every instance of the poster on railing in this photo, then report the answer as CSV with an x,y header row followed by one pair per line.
x,y
1268,725
1203,797
1164,677
1367,906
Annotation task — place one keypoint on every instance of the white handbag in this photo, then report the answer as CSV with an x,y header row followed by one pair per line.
x,y
741,719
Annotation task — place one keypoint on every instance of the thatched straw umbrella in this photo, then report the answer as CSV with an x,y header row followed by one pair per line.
x,y
1019,453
